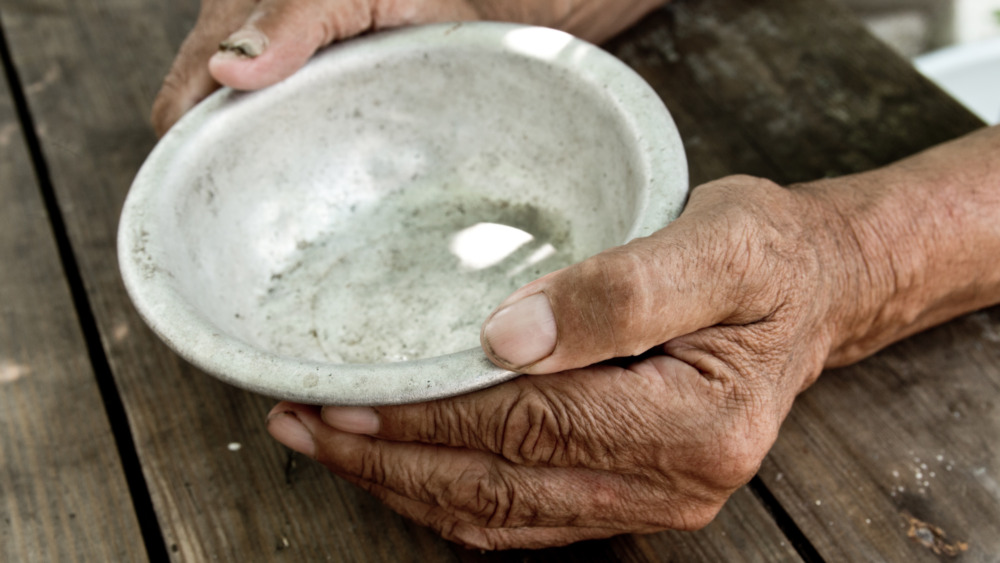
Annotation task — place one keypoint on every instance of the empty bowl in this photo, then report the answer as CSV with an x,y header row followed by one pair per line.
x,y
338,238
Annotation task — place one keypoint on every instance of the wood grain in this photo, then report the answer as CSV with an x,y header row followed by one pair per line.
x,y
789,90
94,66
63,495
896,458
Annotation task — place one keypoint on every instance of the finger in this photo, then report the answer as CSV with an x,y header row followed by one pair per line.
x,y
573,419
474,486
188,80
280,35
690,275
477,537
578,418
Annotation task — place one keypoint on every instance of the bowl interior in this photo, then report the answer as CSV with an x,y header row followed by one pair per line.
x,y
378,212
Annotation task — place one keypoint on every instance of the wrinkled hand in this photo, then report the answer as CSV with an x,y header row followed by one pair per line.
x,y
734,303
250,44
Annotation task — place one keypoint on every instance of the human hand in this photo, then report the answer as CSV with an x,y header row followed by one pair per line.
x,y
250,44
738,303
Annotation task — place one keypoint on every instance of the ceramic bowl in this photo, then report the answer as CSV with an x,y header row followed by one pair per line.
x,y
338,238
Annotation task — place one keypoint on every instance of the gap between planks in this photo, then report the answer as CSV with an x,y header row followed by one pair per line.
x,y
142,503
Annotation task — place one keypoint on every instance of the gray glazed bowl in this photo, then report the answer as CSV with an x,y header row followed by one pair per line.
x,y
338,238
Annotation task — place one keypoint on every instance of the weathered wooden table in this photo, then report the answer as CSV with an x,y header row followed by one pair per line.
x,y
113,449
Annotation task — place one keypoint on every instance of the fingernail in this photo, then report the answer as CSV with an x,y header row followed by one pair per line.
x,y
246,42
286,428
522,333
356,420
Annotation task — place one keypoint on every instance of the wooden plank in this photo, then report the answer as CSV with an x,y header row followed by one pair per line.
x,y
255,502
63,495
897,456
791,91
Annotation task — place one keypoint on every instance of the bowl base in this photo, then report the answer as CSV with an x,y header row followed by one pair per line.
x,y
407,278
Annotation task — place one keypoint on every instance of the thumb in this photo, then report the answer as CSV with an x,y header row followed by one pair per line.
x,y
622,302
280,35
278,38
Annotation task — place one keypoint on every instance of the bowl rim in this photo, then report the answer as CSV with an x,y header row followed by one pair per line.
x,y
197,340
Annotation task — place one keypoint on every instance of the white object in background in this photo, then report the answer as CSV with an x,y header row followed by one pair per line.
x,y
975,20
970,73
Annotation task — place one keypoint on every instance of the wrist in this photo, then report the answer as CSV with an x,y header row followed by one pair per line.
x,y
870,266
910,245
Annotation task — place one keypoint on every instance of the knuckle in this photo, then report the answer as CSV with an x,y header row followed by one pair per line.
x,y
739,461
481,493
439,422
494,502
560,427
536,429
372,465
616,298
469,423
